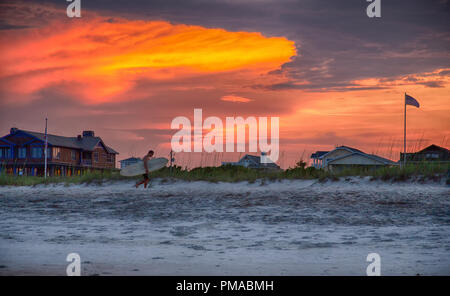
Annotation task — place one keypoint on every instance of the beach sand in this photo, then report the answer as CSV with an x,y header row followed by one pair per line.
x,y
298,227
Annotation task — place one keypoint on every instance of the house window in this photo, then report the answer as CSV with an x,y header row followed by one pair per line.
x,y
22,152
109,157
7,153
4,153
56,153
95,156
36,152
73,154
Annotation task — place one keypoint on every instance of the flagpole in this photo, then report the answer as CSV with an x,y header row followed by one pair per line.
x,y
404,135
45,151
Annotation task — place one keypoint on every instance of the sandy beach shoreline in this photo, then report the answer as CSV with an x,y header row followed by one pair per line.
x,y
298,227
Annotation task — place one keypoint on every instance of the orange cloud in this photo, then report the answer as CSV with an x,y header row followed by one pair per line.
x,y
438,78
99,59
235,99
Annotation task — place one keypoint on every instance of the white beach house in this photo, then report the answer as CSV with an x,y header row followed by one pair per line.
x,y
344,156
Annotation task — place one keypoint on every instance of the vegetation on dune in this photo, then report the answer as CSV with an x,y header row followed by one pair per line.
x,y
87,178
418,171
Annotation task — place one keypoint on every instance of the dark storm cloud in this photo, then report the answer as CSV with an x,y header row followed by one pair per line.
x,y
337,42
433,84
444,73
6,26
341,87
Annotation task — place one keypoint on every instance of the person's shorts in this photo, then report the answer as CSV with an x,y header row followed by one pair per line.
x,y
145,176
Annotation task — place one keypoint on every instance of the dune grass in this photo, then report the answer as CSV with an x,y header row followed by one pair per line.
x,y
418,171
87,178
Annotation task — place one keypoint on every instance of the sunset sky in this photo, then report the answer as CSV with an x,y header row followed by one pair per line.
x,y
125,69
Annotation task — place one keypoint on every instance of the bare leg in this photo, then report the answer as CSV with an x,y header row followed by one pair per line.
x,y
138,184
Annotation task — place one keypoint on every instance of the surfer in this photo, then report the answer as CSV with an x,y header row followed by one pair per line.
x,y
146,178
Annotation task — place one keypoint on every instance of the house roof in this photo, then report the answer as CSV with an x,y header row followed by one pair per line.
x,y
131,159
371,156
433,148
87,143
382,159
257,161
350,149
253,158
318,154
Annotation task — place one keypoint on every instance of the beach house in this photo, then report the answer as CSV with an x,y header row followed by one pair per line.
x,y
129,161
345,157
22,153
433,153
254,162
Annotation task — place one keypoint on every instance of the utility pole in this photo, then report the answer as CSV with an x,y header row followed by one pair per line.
x,y
404,136
171,160
45,151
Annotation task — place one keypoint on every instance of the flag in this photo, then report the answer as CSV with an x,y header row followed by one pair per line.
x,y
411,101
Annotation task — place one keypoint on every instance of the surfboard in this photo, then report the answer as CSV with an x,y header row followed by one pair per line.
x,y
138,168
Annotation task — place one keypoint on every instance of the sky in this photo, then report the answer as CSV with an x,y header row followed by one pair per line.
x,y
126,69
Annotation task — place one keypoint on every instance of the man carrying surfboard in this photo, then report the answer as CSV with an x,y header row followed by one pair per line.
x,y
146,178
148,164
